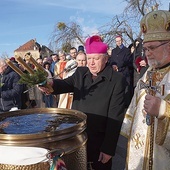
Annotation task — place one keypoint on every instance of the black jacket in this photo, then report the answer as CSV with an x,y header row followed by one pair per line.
x,y
122,58
10,90
102,100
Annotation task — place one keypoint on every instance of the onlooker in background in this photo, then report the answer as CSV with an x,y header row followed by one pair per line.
x,y
13,60
48,99
40,61
132,48
80,48
59,73
45,59
98,92
139,60
10,89
31,91
73,55
38,94
122,62
109,52
81,59
65,100
54,58
60,65
73,52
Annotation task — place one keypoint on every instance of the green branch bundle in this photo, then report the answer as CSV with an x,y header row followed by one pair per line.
x,y
38,78
33,79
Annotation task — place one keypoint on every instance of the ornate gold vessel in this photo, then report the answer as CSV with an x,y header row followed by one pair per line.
x,y
23,128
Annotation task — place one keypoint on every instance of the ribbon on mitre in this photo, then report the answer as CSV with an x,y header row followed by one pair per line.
x,y
58,164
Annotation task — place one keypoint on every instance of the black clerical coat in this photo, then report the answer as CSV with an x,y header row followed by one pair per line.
x,y
102,100
122,58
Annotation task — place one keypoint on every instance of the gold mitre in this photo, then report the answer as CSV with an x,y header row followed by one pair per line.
x,y
156,26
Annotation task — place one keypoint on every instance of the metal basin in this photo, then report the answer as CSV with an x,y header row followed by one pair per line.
x,y
49,128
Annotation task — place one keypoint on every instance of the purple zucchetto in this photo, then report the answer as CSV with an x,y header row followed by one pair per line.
x,y
95,45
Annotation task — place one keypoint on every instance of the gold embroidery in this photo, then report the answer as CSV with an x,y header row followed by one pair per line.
x,y
167,98
138,99
155,22
147,150
162,131
167,112
129,117
124,134
137,140
156,25
152,85
161,73
163,124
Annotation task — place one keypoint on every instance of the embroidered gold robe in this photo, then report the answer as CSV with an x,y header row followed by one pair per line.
x,y
135,129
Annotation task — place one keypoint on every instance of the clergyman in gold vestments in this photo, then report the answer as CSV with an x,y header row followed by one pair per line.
x,y
149,144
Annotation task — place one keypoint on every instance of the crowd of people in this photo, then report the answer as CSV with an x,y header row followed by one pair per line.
x,y
125,91
62,65
57,66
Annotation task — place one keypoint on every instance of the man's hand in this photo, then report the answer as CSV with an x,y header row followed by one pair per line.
x,y
152,105
115,68
47,87
142,63
104,158
44,90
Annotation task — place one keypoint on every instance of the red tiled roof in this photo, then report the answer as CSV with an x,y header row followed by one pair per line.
x,y
30,45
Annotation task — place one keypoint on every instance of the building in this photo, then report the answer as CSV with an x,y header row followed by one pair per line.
x,y
36,50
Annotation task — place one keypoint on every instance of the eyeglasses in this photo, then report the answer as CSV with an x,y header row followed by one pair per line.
x,y
152,48
73,53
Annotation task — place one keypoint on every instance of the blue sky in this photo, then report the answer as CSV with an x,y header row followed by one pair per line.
x,y
23,20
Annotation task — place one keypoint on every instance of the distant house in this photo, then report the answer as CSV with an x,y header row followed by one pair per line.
x,y
36,50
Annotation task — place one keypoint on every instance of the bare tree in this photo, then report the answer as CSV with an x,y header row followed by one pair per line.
x,y
125,24
65,35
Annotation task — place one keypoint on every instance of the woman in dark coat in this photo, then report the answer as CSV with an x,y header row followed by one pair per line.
x,y
10,90
99,92
139,58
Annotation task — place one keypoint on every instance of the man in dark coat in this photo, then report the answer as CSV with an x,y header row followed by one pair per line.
x,y
122,61
99,93
10,90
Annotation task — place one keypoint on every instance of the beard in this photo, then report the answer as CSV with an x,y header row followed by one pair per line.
x,y
157,64
153,63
